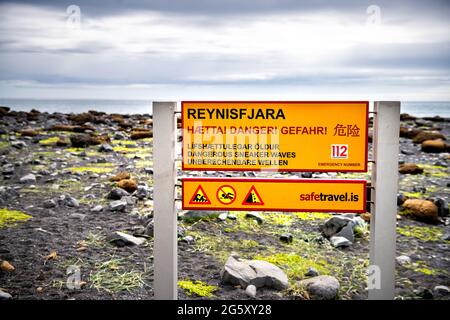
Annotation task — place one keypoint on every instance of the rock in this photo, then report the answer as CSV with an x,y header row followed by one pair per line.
x,y
340,242
84,140
5,266
105,148
188,239
62,142
403,260
141,134
18,144
307,175
253,272
408,132
148,170
424,293
427,135
311,272
333,225
250,291
446,237
142,192
78,216
322,287
347,233
256,216
231,217
223,216
71,202
117,194
434,146
128,185
121,239
401,198
118,205
236,272
287,238
97,208
121,176
441,290
29,178
28,133
5,295
49,204
423,210
443,209
410,168
268,275
149,229
8,169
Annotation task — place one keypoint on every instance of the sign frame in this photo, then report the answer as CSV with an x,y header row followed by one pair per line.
x,y
274,180
366,130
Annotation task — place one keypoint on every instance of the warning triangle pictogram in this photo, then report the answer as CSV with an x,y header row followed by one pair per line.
x,y
253,198
199,197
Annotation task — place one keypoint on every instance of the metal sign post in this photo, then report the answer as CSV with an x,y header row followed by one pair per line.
x,y
165,216
385,181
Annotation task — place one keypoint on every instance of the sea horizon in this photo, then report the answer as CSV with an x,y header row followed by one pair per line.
x,y
144,106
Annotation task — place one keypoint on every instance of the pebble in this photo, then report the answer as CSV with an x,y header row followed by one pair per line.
x,y
403,260
250,291
311,272
117,205
29,178
97,208
5,295
287,238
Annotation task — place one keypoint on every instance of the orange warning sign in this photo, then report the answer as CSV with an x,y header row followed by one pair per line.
x,y
274,194
281,136
199,197
252,198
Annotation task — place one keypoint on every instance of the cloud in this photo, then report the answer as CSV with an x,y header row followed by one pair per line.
x,y
223,45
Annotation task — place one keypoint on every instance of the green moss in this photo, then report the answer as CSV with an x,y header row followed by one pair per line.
x,y
295,265
414,195
198,288
49,141
312,215
11,217
280,219
422,267
4,144
98,168
124,143
421,233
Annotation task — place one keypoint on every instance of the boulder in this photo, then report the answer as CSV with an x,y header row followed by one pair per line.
x,y
427,135
97,208
287,238
434,146
423,210
410,168
403,260
347,233
129,185
84,140
120,176
117,194
268,275
18,144
443,209
237,272
50,203
334,225
321,287
29,133
311,272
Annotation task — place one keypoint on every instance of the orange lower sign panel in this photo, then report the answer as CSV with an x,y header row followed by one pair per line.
x,y
274,194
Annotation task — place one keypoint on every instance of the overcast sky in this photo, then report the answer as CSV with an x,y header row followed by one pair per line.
x,y
230,49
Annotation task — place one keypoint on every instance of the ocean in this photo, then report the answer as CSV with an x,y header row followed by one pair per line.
x,y
416,108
